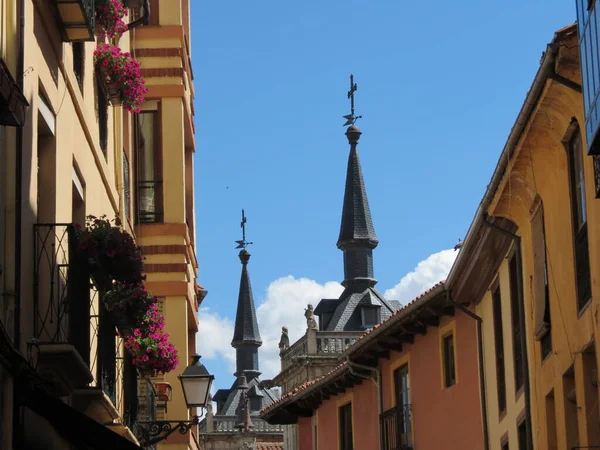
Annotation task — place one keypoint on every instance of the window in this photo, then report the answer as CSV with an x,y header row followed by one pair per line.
x,y
255,403
579,213
370,316
540,281
79,62
126,186
522,435
499,347
346,427
449,364
515,307
551,422
403,406
149,168
102,114
324,320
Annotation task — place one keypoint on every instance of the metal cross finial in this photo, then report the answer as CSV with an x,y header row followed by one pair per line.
x,y
351,118
243,243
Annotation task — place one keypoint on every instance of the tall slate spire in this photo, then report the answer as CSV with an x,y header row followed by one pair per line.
x,y
246,337
357,236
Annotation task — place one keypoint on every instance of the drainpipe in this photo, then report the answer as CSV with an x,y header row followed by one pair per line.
x,y
17,425
376,379
479,320
525,362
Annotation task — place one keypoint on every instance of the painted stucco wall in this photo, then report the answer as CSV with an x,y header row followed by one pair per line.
x,y
441,417
539,168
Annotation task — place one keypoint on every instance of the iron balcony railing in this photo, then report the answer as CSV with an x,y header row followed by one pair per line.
x,y
65,300
76,19
396,428
146,411
149,201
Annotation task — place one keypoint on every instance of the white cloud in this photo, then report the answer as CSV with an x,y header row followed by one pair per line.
x,y
214,339
284,304
427,273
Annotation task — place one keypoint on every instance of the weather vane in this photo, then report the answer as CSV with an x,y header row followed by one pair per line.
x,y
351,118
243,243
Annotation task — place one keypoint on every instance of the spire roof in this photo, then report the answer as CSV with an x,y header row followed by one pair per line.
x,y
357,225
246,326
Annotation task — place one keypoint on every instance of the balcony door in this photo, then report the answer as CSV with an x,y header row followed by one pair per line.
x,y
149,168
403,406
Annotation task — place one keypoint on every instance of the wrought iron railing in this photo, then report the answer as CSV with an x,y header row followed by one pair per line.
x,y
149,201
126,186
146,410
396,428
51,278
68,309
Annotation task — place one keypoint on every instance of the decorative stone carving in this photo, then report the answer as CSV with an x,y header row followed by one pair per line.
x,y
311,323
284,342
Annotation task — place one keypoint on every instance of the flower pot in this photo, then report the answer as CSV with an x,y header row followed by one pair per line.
x,y
146,373
163,391
123,320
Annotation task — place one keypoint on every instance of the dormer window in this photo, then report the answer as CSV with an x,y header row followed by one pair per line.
x,y
370,316
324,320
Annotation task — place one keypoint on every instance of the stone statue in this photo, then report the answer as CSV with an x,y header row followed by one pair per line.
x,y
284,342
311,323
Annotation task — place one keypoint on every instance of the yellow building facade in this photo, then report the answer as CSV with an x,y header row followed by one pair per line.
x,y
76,154
533,257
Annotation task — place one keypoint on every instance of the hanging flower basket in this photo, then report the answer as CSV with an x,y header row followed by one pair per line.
x,y
120,76
110,252
146,373
152,351
109,18
129,306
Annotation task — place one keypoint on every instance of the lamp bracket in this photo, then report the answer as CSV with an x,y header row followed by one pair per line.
x,y
161,429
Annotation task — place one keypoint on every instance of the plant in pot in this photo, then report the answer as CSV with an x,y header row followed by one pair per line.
x,y
109,18
120,75
130,306
153,354
110,252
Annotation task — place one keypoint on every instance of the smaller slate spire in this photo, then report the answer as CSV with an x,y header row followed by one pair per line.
x,y
246,337
357,236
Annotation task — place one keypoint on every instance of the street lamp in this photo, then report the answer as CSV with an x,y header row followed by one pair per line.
x,y
195,383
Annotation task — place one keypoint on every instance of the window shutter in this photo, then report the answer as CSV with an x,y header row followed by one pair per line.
x,y
539,271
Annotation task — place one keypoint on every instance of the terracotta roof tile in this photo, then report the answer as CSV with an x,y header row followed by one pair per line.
x,y
269,446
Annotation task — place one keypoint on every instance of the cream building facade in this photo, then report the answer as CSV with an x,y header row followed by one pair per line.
x,y
75,154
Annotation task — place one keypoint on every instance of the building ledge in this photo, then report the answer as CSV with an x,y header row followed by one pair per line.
x,y
13,104
63,368
95,404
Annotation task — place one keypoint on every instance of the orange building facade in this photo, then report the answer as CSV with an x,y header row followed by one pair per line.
x,y
417,368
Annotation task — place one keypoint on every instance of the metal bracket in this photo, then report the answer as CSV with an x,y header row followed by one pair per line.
x,y
161,429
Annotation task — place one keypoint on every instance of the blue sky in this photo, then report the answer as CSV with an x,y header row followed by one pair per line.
x,y
440,85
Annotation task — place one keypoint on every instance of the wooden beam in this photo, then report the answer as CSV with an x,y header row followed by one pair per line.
x,y
416,329
448,311
397,346
431,321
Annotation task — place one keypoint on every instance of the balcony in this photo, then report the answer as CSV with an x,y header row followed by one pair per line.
x,y
76,345
12,102
396,428
61,297
320,343
226,424
76,19
149,199
146,411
